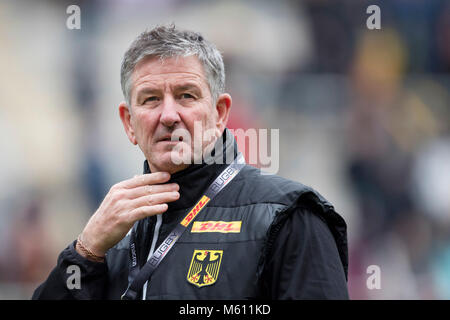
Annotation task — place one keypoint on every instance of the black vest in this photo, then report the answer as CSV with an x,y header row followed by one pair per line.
x,y
222,253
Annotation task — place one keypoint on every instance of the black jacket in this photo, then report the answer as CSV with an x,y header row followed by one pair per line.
x,y
263,236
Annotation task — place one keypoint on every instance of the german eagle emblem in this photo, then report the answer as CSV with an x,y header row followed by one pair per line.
x,y
204,268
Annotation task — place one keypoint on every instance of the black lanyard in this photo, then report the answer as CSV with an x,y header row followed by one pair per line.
x,y
137,277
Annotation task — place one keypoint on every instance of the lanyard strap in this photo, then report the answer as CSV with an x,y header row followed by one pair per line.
x,y
137,277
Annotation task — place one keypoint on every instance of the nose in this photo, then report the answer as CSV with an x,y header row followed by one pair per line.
x,y
169,113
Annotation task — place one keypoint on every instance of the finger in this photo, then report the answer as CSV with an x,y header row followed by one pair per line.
x,y
150,189
145,179
147,211
154,199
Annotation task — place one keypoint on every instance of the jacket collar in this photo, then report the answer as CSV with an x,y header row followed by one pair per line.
x,y
195,179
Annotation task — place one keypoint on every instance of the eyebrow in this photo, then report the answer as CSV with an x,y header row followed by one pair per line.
x,y
176,88
187,87
146,90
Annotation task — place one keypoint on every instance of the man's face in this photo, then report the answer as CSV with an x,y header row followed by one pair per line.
x,y
167,95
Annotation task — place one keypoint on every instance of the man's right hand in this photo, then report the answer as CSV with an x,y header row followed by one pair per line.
x,y
127,202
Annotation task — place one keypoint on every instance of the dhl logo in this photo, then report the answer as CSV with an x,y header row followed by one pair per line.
x,y
195,210
217,226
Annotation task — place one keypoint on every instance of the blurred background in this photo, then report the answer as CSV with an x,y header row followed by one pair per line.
x,y
363,118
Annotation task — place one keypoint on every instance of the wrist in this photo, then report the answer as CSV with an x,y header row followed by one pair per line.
x,y
86,252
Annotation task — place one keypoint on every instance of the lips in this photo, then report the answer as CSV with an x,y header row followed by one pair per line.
x,y
169,139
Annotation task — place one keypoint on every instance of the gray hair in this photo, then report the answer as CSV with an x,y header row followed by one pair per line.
x,y
166,42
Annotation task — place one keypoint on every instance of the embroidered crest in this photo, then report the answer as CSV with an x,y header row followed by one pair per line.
x,y
204,268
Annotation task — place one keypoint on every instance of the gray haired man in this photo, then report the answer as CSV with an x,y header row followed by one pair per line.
x,y
198,230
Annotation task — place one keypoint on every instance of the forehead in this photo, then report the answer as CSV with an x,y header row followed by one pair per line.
x,y
174,69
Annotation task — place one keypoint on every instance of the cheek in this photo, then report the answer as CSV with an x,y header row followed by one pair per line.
x,y
200,121
144,126
210,121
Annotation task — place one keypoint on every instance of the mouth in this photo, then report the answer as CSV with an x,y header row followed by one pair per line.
x,y
169,139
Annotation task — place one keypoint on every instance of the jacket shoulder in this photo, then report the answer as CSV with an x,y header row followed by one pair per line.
x,y
254,186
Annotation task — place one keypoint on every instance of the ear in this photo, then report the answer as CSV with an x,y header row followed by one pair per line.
x,y
223,106
125,116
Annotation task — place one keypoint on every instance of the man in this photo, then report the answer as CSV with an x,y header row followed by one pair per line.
x,y
261,236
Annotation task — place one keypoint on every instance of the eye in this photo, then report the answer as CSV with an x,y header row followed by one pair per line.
x,y
186,96
149,99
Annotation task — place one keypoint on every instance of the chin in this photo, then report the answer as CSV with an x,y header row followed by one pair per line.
x,y
171,168
167,162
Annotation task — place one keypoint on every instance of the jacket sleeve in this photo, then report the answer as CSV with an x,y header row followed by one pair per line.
x,y
304,262
74,278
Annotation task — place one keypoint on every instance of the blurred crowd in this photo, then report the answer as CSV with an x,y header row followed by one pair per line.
x,y
364,117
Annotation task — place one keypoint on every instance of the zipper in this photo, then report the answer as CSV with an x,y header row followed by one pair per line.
x,y
152,248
